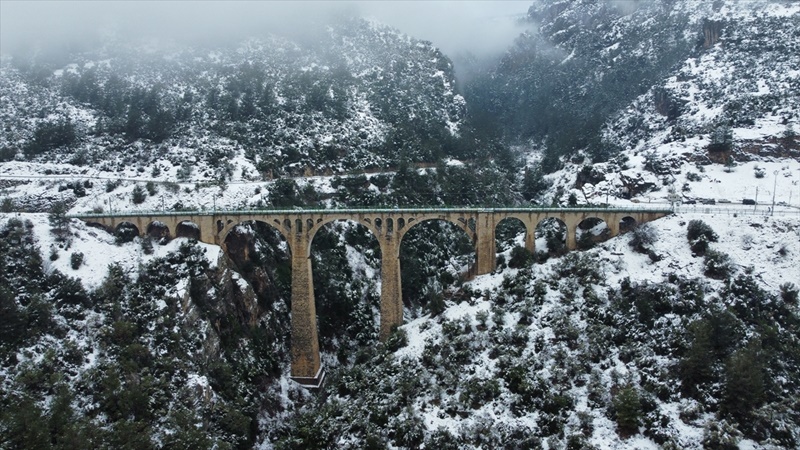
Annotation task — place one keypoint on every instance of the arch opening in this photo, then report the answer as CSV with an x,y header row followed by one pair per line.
x,y
158,231
187,229
627,224
551,238
264,258
435,257
590,231
510,236
126,232
346,262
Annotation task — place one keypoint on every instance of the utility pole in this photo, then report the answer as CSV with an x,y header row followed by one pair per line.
x,y
756,200
774,186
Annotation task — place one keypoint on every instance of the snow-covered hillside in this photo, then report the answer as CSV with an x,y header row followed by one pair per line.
x,y
539,356
593,350
263,108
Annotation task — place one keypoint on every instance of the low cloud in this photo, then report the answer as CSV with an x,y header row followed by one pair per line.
x,y
456,26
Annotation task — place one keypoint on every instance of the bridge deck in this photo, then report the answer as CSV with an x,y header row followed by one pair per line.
x,y
372,211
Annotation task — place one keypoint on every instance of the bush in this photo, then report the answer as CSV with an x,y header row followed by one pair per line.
x,y
700,246
691,176
718,265
643,236
698,228
744,388
76,260
7,205
790,293
397,340
151,187
520,257
49,136
7,154
585,241
138,195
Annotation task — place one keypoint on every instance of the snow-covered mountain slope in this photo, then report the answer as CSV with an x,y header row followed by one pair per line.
x,y
595,349
681,76
718,124
739,95
266,107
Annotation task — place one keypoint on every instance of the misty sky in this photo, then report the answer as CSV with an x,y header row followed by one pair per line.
x,y
479,26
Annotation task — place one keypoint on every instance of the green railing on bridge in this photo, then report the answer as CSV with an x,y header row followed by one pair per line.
x,y
356,211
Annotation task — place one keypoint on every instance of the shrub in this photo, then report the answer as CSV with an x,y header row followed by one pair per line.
x,y
7,205
691,176
643,236
585,241
700,246
790,293
111,185
744,388
76,260
520,257
138,195
698,228
151,187
7,154
718,265
397,340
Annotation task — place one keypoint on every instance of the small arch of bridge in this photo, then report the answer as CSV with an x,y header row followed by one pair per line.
x,y
598,230
158,230
627,224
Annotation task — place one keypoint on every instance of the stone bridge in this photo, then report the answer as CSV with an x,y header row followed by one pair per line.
x,y
298,228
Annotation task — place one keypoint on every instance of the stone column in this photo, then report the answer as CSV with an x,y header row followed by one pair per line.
x,y
572,230
306,367
391,286
612,221
485,243
530,236
208,229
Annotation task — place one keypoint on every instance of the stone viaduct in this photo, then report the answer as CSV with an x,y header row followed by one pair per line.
x,y
298,228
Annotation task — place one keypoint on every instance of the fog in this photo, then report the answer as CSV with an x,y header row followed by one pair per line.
x,y
480,27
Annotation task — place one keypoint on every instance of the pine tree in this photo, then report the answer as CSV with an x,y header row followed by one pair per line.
x,y
744,381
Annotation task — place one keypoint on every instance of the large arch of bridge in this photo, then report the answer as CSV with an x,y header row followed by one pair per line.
x,y
558,224
464,227
321,222
226,229
338,313
465,224
513,225
598,228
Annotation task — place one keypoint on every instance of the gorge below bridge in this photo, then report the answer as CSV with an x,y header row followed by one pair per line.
x,y
298,227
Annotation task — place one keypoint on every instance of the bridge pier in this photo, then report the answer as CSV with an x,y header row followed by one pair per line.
x,y
306,366
391,287
486,257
